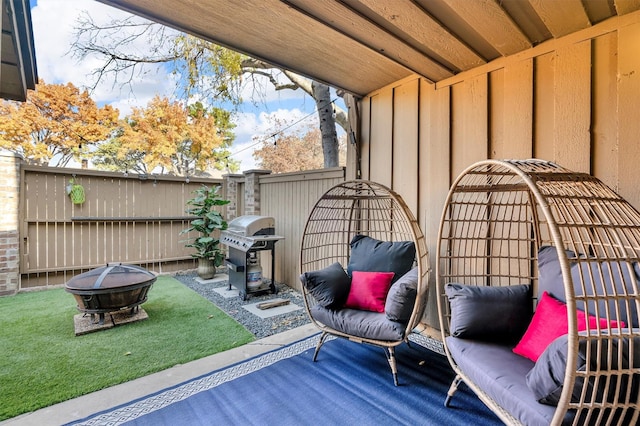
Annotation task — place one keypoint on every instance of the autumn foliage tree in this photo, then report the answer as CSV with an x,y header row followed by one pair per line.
x,y
56,124
168,137
294,151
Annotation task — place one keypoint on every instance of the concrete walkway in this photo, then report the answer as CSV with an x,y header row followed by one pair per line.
x,y
86,405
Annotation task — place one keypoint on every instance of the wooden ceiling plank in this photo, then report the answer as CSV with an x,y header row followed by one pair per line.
x,y
274,32
405,19
561,17
492,22
626,6
336,15
599,10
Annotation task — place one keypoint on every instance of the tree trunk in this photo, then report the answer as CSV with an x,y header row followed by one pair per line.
x,y
324,106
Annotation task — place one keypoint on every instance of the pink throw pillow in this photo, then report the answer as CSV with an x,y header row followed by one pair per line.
x,y
369,290
550,322
604,324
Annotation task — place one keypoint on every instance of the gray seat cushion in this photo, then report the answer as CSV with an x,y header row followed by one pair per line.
x,y
367,324
501,374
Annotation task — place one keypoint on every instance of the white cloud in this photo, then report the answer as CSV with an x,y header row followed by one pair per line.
x,y
53,26
54,23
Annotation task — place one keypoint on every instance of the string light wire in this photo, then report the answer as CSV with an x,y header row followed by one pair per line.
x,y
281,131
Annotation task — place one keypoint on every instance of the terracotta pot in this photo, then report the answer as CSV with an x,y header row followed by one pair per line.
x,y
206,269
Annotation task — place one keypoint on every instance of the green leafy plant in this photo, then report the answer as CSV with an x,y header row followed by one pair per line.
x,y
208,220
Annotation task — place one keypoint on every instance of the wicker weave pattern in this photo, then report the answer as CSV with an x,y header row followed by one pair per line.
x,y
499,213
367,208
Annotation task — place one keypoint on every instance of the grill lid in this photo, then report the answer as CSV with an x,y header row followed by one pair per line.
x,y
250,225
113,275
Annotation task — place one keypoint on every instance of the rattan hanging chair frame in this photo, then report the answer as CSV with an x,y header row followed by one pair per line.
x,y
496,217
365,208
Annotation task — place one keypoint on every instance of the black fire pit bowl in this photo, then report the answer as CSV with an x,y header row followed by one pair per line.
x,y
111,288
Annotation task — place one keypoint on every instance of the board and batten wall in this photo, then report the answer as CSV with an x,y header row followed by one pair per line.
x,y
573,100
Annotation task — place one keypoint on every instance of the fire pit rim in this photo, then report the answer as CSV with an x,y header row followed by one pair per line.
x,y
95,299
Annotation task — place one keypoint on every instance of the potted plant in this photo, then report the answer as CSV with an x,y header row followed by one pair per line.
x,y
207,223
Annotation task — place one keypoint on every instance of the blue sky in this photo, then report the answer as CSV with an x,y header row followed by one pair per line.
x,y
53,25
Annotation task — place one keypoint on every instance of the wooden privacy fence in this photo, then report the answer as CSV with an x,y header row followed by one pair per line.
x,y
137,219
289,198
133,219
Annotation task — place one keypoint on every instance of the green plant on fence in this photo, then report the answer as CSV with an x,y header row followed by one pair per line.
x,y
207,221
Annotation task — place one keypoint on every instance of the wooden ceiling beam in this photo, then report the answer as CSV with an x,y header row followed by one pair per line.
x,y
561,17
413,24
493,24
626,6
349,22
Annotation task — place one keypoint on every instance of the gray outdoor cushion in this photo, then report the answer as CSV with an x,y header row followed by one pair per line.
x,y
499,314
625,277
500,374
329,286
372,325
546,378
371,255
402,297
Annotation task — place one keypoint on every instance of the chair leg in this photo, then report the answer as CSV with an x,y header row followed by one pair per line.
x,y
391,357
452,390
322,339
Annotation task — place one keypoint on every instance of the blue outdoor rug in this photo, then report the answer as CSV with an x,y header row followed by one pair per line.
x,y
349,384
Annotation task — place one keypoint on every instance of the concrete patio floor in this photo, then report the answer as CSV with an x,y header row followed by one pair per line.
x,y
86,405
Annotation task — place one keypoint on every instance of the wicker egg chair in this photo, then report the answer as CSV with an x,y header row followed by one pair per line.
x,y
498,220
361,207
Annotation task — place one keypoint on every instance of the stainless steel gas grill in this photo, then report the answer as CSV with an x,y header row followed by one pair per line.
x,y
245,237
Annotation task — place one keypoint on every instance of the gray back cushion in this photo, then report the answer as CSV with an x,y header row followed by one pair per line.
x,y
371,255
329,286
489,313
621,275
546,378
402,297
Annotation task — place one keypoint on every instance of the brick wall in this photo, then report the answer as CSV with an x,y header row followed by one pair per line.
x,y
9,238
252,191
231,193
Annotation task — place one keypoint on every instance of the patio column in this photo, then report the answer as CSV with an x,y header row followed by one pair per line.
x,y
9,237
252,191
232,184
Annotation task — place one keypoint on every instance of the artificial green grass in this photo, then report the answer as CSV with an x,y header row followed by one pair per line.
x,y
42,362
